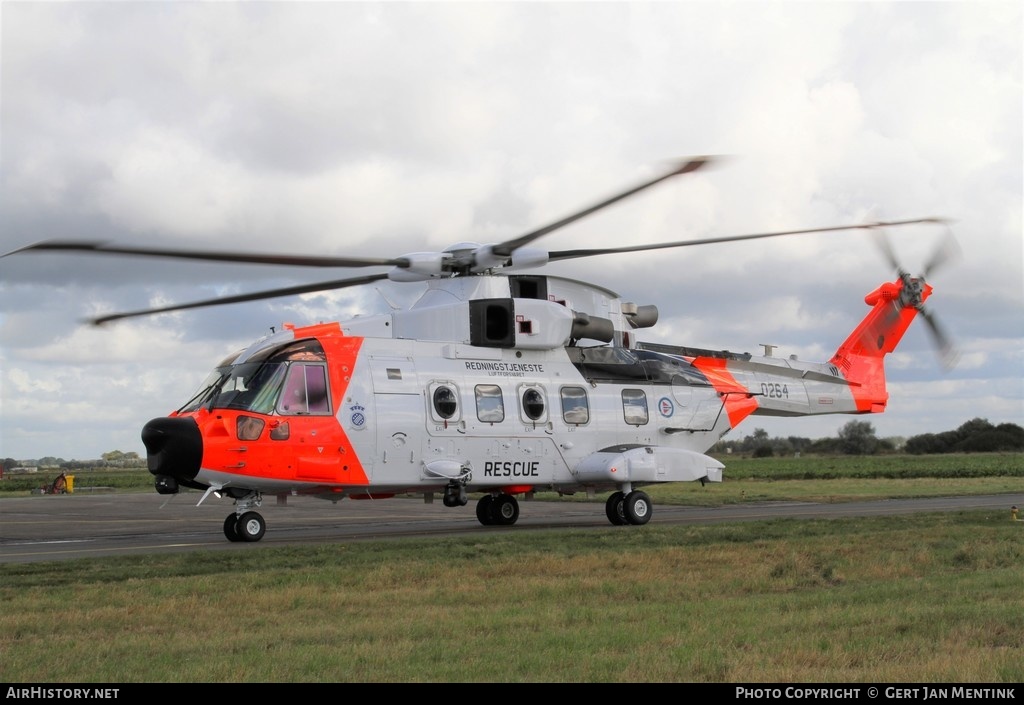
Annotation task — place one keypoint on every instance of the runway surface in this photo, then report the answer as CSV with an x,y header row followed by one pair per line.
x,y
90,525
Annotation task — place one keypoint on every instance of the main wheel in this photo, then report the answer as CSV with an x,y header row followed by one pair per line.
x,y
637,507
505,509
231,528
485,510
251,526
613,508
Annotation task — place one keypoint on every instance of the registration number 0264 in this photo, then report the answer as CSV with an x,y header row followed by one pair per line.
x,y
774,391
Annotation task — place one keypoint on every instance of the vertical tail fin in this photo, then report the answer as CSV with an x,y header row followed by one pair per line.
x,y
861,357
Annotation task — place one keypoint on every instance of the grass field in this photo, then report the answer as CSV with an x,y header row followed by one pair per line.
x,y
913,599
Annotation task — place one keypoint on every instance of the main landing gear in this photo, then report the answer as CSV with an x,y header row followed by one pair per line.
x,y
629,508
633,507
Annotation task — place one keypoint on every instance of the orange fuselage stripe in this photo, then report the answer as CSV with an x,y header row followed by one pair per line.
x,y
739,402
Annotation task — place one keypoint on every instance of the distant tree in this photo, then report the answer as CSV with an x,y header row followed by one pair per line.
x,y
974,436
758,437
990,442
10,463
886,445
895,443
798,444
858,438
1014,431
924,443
973,427
758,444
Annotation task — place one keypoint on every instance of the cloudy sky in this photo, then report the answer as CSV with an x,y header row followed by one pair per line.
x,y
380,128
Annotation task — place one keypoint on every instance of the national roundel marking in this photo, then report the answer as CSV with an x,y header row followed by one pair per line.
x,y
666,407
357,415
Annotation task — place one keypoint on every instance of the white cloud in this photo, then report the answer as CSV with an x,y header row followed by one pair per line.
x,y
375,129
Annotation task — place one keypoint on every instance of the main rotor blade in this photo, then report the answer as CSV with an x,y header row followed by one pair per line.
x,y
572,254
233,257
506,248
240,298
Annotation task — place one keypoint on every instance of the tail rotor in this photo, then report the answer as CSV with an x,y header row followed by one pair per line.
x,y
916,289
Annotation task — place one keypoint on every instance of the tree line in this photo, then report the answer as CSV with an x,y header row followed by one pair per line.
x,y
112,459
859,438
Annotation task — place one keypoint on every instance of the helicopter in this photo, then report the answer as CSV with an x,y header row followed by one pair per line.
x,y
495,383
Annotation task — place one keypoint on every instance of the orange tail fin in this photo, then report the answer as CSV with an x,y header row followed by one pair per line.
x,y
861,357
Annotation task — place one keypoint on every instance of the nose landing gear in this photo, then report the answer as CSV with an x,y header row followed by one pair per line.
x,y
245,524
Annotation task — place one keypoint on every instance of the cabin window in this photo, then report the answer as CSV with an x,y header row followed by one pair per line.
x,y
575,409
533,404
490,408
445,402
634,406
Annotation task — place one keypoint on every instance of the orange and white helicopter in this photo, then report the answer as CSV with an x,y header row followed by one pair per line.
x,y
494,382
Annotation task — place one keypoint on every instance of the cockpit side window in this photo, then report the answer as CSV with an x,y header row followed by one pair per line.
x,y
305,390
289,379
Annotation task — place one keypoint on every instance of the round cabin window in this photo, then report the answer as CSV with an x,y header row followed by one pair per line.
x,y
533,404
445,403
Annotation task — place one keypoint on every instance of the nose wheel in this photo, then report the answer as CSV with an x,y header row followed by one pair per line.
x,y
250,527
231,527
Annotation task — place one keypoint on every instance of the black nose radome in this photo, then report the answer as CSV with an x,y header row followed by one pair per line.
x,y
174,448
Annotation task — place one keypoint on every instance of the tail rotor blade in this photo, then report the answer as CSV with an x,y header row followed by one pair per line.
x,y
882,241
948,354
947,250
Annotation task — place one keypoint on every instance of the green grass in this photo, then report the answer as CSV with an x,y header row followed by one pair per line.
x,y
924,598
101,479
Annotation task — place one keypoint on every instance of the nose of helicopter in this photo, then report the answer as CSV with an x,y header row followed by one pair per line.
x,y
174,451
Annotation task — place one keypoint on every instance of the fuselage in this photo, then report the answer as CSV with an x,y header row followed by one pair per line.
x,y
503,393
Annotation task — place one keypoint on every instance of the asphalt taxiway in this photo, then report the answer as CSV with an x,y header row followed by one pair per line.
x,y
90,525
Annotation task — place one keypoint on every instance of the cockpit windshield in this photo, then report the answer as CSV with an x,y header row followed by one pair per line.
x,y
286,380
